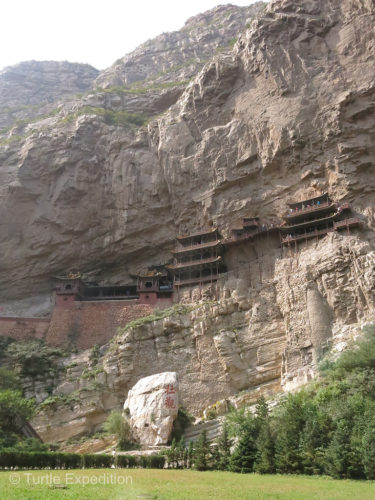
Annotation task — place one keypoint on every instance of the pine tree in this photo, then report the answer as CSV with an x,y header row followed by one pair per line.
x,y
290,425
265,443
172,455
190,454
202,452
368,449
180,451
243,457
215,457
224,444
314,440
337,457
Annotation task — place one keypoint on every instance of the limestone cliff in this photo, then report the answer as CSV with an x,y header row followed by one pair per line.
x,y
285,115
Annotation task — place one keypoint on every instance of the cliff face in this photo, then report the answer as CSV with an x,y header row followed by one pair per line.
x,y
260,330
83,187
286,115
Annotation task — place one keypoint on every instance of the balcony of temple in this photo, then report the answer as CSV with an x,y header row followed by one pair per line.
x,y
197,258
194,263
314,218
92,291
199,272
318,205
192,256
191,242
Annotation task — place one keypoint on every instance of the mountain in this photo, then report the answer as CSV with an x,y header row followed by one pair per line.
x,y
106,183
28,89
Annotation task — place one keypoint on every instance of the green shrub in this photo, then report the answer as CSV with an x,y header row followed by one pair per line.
x,y
56,460
110,117
97,461
33,358
157,315
14,410
118,424
132,461
9,380
152,462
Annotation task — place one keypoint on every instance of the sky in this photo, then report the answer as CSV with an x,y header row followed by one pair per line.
x,y
88,31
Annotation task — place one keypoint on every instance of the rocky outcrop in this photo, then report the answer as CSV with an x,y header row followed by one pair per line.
x,y
177,56
31,89
151,407
324,292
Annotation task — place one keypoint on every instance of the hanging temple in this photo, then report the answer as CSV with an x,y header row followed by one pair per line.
x,y
198,258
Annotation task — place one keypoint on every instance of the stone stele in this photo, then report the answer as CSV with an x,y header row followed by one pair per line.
x,y
152,405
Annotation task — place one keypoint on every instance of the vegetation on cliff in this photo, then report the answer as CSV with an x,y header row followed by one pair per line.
x,y
15,410
326,428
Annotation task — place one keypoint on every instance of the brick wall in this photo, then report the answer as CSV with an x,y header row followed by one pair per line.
x,y
24,328
85,324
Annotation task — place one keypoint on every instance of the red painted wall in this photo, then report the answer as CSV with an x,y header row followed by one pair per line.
x,y
81,323
85,324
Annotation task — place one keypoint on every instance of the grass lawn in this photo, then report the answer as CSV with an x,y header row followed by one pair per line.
x,y
175,485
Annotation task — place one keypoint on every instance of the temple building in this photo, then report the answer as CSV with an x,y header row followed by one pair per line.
x,y
314,218
68,288
197,258
151,288
154,287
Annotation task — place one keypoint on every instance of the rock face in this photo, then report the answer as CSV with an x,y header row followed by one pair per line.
x,y
177,56
152,406
80,157
29,89
286,115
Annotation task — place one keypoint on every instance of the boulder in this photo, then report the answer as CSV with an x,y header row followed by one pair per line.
x,y
152,406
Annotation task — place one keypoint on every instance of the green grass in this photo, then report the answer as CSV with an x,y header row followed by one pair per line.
x,y
179,485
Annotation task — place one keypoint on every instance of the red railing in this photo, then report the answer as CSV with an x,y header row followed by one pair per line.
x,y
309,209
352,221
